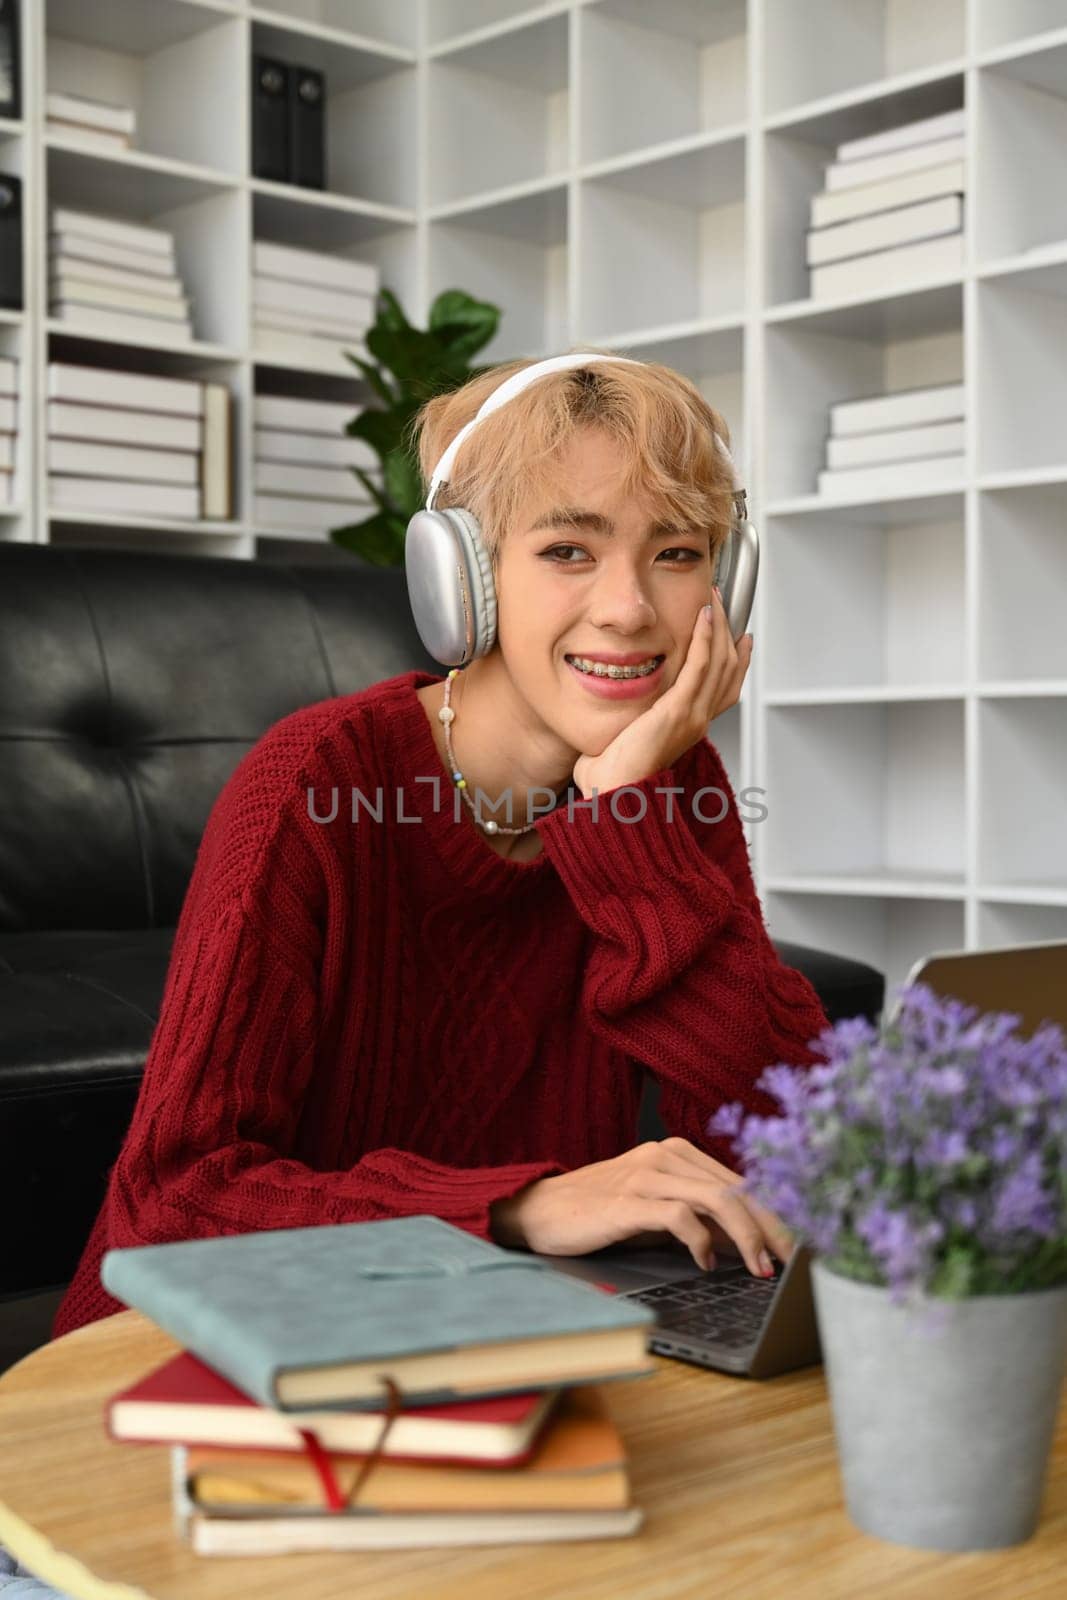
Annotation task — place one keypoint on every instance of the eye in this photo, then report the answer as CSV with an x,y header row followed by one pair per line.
x,y
554,555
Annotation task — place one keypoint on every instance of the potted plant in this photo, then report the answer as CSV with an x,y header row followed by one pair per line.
x,y
411,366
925,1165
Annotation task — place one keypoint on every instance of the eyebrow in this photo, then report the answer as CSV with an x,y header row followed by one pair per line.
x,y
595,522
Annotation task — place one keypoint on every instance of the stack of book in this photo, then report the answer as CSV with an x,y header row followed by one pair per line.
x,y
911,439
126,443
91,122
9,422
892,208
378,1385
303,464
120,277
307,304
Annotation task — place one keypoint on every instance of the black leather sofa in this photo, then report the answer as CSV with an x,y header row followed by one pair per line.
x,y
131,684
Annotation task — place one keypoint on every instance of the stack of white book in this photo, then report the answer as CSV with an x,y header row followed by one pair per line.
x,y
91,122
913,439
118,277
303,462
133,444
307,304
9,421
892,208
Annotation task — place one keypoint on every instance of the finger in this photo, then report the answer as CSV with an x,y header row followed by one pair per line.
x,y
677,1218
678,1153
711,652
718,1201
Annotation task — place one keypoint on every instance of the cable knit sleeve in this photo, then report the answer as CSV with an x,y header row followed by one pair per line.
x,y
682,975
209,1150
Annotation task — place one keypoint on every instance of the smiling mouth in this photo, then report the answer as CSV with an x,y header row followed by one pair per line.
x,y
601,669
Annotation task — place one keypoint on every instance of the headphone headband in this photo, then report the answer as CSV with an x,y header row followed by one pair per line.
x,y
515,385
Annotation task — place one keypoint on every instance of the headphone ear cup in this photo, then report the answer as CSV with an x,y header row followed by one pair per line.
x,y
450,585
482,584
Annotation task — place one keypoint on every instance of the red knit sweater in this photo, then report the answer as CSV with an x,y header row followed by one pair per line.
x,y
379,1018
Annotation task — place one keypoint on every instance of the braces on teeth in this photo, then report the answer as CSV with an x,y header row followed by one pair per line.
x,y
598,669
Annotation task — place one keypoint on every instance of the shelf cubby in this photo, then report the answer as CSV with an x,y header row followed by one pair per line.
x,y
500,111
830,47
514,254
909,341
1022,369
891,934
1006,22
1022,747
451,20
663,241
868,790
1016,922
653,74
160,57
389,22
1021,187
370,111
860,601
1022,582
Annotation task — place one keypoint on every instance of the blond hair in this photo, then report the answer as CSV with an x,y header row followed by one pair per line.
x,y
660,419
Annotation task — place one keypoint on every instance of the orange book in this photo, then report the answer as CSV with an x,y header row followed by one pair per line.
x,y
578,1463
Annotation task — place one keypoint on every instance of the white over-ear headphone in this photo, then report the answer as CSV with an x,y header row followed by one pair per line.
x,y
449,569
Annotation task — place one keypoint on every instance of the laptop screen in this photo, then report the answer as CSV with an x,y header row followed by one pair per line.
x,y
1029,980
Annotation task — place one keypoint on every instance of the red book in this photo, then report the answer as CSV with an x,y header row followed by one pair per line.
x,y
186,1402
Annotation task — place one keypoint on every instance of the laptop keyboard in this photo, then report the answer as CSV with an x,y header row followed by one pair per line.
x,y
729,1312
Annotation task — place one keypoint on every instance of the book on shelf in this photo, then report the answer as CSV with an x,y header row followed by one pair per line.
x,y
92,113
121,498
926,219
896,444
947,177
64,289
74,250
311,483
313,449
216,475
7,452
297,415
10,59
184,1401
945,125
270,260
134,391
7,488
63,269
339,305
10,241
8,413
81,458
844,174
307,127
112,425
904,408
285,511
95,138
882,268
312,349
270,118
309,325
135,325
930,473
9,376
112,230
442,1313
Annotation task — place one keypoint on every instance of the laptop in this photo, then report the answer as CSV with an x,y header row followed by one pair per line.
x,y
758,1327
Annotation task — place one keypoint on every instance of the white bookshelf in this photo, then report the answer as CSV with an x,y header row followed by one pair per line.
x,y
639,176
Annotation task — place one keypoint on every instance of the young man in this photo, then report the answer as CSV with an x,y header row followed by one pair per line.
x,y
376,1006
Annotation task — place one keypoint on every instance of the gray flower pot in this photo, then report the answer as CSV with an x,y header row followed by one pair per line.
x,y
943,1411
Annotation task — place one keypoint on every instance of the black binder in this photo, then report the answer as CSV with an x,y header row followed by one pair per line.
x,y
10,242
10,75
307,127
270,119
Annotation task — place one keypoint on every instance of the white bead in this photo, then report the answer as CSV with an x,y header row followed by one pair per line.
x,y
490,826
446,714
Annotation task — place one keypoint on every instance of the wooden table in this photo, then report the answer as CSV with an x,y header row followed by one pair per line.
x,y
738,1481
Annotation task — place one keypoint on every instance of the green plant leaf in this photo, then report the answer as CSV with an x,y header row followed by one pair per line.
x,y
463,323
374,489
375,378
390,312
379,539
403,482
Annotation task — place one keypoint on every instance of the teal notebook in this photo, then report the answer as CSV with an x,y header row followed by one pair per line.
x,y
315,1318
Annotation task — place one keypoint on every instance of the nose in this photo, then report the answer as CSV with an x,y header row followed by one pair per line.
x,y
620,600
